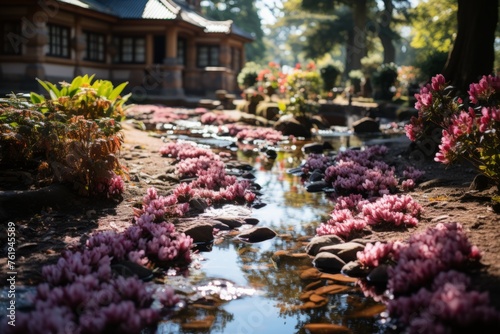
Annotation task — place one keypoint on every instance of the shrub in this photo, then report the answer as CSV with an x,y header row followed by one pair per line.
x,y
469,130
383,79
329,75
248,75
74,135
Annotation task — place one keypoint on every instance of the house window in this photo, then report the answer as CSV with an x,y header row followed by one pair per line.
x,y
58,41
12,38
208,55
181,51
130,49
95,46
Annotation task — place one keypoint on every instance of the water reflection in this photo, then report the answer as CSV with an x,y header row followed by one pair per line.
x,y
285,300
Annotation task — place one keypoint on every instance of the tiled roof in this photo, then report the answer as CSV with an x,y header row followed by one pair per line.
x,y
159,10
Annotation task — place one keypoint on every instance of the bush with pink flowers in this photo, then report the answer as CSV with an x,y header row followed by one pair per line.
x,y
470,127
251,133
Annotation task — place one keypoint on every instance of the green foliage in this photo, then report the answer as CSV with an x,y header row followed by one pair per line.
x,y
304,86
383,79
82,97
71,137
248,75
431,65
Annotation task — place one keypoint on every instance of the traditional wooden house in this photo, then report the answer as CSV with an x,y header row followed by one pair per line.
x,y
165,49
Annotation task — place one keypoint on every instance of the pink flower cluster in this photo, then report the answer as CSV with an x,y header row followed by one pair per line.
x,y
486,89
316,161
116,186
394,210
251,133
447,306
412,176
217,118
211,184
145,243
184,150
375,254
353,214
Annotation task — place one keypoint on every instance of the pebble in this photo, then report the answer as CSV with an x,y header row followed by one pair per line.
x,y
328,262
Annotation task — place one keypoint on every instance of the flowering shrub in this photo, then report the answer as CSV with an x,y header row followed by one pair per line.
x,y
468,132
271,80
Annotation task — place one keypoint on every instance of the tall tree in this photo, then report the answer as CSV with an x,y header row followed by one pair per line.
x,y
245,16
473,53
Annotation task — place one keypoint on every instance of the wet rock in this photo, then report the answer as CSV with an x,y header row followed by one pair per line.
x,y
289,125
310,274
199,325
271,154
379,275
364,241
296,171
199,230
251,221
231,221
326,328
338,278
258,205
366,125
355,269
346,251
328,262
316,176
312,148
316,243
257,234
131,269
198,205
318,186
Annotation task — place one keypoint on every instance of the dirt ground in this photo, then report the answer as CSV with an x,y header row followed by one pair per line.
x,y
65,220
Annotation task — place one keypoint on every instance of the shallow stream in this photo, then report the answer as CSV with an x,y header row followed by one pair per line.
x,y
265,287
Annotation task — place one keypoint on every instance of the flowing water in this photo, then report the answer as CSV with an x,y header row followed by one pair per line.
x,y
244,288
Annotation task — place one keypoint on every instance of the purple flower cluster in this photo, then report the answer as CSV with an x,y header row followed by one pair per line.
x,y
251,133
81,294
317,162
437,249
447,306
360,172
411,177
430,295
352,214
115,186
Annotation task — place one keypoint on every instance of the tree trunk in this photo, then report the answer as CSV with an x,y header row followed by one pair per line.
x,y
356,46
473,52
385,32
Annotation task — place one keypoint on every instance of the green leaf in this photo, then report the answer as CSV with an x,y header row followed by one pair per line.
x,y
36,98
114,94
43,84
